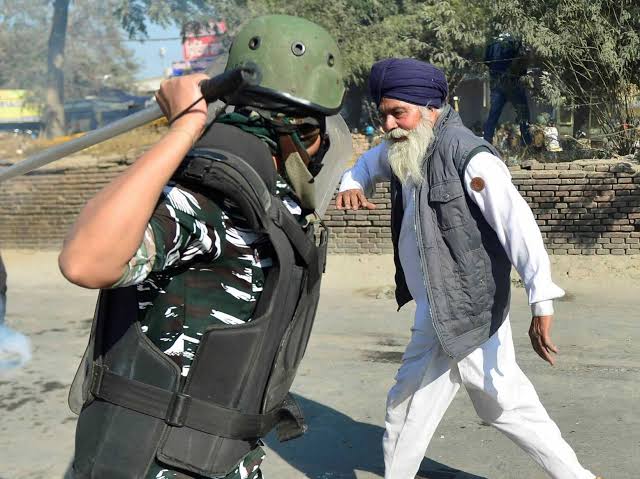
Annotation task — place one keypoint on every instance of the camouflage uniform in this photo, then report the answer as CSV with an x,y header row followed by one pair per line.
x,y
198,266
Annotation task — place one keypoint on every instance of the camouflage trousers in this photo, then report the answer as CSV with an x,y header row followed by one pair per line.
x,y
247,468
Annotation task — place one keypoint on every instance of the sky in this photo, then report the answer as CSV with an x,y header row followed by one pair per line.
x,y
148,53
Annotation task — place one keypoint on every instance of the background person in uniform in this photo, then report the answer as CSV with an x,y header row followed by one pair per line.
x,y
506,59
458,224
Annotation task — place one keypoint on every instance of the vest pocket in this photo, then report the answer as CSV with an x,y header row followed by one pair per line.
x,y
448,201
473,282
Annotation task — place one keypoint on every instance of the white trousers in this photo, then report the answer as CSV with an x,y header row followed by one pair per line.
x,y
501,394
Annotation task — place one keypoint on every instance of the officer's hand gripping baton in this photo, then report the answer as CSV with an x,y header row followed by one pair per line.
x,y
212,89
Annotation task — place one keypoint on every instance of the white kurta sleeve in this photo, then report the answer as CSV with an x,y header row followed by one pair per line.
x,y
370,168
513,221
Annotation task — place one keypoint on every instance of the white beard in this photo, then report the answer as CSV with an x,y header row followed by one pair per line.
x,y
406,156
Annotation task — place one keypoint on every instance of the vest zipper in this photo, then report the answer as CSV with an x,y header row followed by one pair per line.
x,y
423,267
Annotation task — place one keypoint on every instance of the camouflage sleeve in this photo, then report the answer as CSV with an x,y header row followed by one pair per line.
x,y
183,227
141,264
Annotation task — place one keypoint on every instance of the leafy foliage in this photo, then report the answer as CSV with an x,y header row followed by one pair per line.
x,y
589,51
134,15
452,36
94,48
447,33
349,21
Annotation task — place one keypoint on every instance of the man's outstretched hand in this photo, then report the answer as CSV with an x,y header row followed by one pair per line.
x,y
353,200
540,335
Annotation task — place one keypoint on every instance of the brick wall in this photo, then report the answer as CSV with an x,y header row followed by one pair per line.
x,y
581,208
37,210
585,207
362,231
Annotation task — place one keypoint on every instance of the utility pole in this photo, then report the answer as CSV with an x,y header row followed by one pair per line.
x,y
163,52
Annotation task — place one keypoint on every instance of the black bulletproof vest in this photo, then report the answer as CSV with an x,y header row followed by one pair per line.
x,y
135,405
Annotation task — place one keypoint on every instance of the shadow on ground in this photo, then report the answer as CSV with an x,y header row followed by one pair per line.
x,y
335,446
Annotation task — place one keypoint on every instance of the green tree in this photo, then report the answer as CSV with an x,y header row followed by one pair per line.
x,y
349,21
95,55
448,33
452,35
22,45
590,54
133,16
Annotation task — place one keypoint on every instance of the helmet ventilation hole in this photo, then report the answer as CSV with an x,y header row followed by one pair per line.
x,y
254,43
298,48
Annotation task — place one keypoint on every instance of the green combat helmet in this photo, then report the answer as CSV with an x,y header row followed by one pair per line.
x,y
299,63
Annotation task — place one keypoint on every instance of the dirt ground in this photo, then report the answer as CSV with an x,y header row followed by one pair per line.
x,y
355,350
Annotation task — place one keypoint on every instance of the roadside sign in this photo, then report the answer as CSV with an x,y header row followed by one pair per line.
x,y
205,42
15,108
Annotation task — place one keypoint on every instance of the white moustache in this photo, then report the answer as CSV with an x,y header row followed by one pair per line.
x,y
397,134
406,151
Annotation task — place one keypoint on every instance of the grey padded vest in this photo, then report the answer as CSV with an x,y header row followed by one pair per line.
x,y
465,268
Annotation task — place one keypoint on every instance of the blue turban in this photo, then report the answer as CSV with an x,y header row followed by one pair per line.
x,y
408,80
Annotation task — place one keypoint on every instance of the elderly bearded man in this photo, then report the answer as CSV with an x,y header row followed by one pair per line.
x,y
458,224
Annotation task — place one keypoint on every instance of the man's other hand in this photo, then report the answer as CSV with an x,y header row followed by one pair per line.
x,y
353,200
540,335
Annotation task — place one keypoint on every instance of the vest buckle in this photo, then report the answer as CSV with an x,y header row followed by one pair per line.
x,y
178,409
97,374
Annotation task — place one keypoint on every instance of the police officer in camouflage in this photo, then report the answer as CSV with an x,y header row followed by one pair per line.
x,y
182,261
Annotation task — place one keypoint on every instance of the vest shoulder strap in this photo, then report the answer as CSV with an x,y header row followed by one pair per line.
x,y
471,154
224,172
214,170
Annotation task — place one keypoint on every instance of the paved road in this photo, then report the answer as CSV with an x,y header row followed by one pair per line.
x,y
593,393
